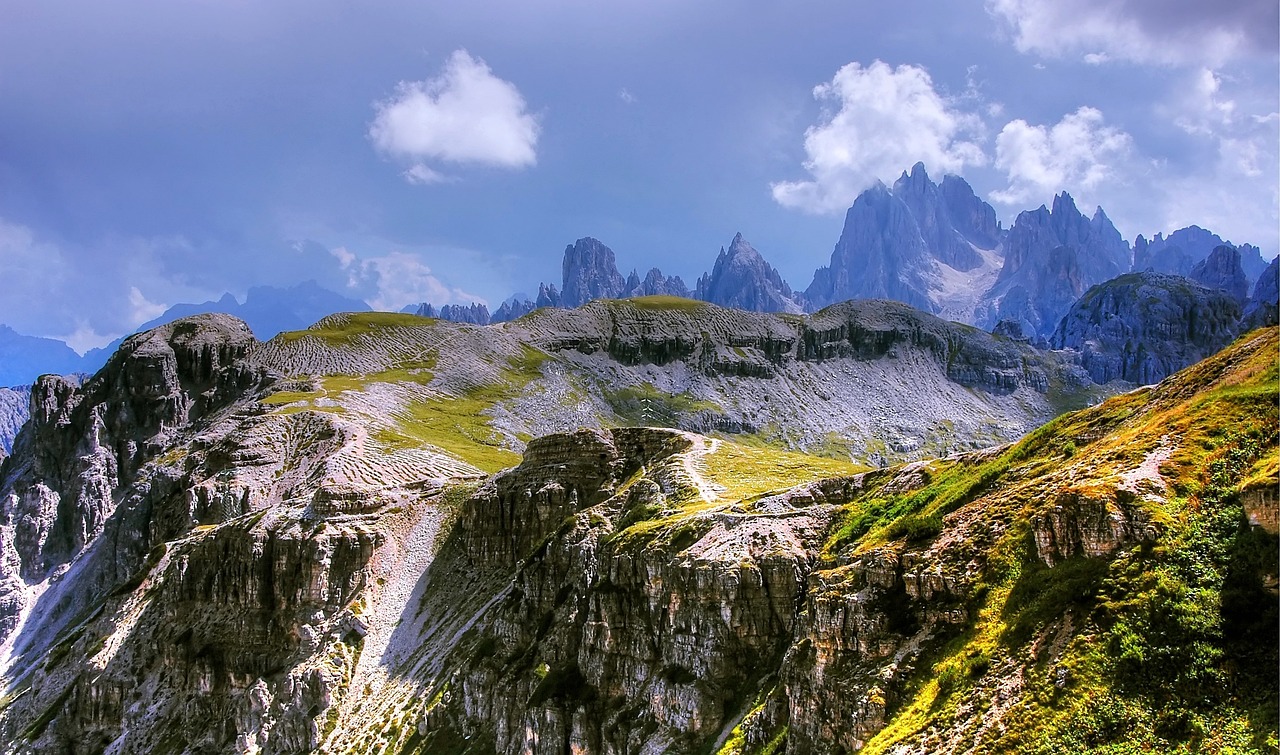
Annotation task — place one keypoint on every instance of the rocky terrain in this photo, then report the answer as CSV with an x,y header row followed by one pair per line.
x,y
1143,327
368,537
13,413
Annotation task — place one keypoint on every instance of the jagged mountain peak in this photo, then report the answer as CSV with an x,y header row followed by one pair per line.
x,y
743,279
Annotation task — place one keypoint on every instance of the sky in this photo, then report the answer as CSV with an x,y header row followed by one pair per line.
x,y
161,152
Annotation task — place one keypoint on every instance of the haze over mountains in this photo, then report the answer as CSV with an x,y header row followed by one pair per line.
x,y
935,246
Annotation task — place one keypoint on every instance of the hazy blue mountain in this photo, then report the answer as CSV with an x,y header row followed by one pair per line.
x,y
932,246
742,279
24,358
1051,257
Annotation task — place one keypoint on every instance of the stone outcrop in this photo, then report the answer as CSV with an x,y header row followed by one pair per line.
x,y
932,246
1142,327
590,272
742,279
256,578
1221,270
475,314
1264,305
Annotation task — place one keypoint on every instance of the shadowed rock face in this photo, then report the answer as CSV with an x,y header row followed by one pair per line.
x,y
1143,327
1051,257
590,272
1221,270
1264,305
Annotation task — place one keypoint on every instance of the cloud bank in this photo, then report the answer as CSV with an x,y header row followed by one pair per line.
x,y
1077,153
1166,32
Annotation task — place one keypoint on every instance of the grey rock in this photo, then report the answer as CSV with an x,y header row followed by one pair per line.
x,y
656,284
742,279
1221,270
1143,327
476,314
1051,258
590,272
513,310
933,217
1264,306
1177,253
880,255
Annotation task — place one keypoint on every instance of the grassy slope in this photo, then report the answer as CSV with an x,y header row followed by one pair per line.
x,y
1169,646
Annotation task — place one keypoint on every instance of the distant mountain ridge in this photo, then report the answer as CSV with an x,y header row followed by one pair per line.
x,y
936,246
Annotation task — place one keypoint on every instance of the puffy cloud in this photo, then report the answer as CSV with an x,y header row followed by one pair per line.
x,y
141,309
879,121
464,115
394,280
1077,153
1167,32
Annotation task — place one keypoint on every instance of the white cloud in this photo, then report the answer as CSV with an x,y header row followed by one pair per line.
x,y
1184,32
626,96
84,338
464,115
422,175
142,310
882,120
394,280
1078,153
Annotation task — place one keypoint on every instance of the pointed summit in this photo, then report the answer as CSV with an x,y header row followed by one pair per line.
x,y
1051,257
742,279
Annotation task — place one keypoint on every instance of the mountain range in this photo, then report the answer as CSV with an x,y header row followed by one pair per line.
x,y
935,246
653,525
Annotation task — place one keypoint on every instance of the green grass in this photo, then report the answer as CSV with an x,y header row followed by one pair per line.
x,y
747,472
646,406
344,328
665,303
1170,646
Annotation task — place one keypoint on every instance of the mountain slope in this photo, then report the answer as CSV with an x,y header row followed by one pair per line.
x,y
254,558
1143,327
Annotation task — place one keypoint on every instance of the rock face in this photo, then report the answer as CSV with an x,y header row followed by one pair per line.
x,y
1186,247
476,314
1143,327
590,272
13,413
94,438
1264,305
1051,257
1221,270
1175,255
918,243
741,279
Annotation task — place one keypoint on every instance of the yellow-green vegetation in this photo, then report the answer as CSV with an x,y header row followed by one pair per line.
x,y
748,472
343,328
666,302
1164,646
646,406
740,475
457,423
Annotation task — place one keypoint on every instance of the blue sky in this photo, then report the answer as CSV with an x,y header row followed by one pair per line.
x,y
158,152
